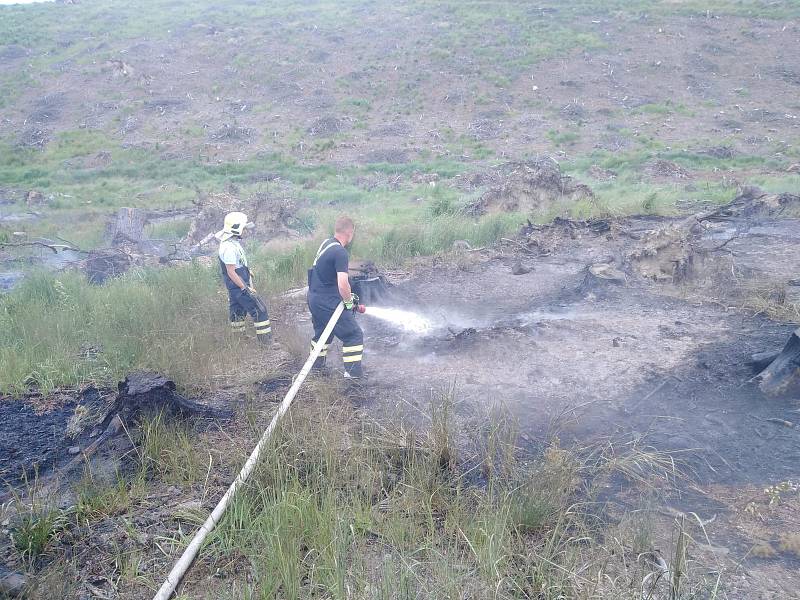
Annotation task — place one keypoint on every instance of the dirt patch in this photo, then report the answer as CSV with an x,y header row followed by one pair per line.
x,y
166,105
48,108
526,187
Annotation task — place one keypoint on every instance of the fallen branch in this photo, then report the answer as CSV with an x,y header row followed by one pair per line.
x,y
114,427
520,245
55,248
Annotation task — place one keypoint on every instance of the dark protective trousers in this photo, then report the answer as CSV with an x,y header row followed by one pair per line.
x,y
346,329
243,303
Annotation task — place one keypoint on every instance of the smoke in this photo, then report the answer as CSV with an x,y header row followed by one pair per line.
x,y
405,320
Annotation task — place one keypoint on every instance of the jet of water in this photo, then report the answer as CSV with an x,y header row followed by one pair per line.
x,y
408,321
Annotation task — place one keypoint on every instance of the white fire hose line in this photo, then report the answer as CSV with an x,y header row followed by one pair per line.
x,y
188,556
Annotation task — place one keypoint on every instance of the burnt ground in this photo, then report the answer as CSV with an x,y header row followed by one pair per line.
x,y
596,361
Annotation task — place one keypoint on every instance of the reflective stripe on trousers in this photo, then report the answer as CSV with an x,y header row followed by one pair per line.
x,y
242,304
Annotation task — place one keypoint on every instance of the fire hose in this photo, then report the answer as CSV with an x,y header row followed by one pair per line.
x,y
189,554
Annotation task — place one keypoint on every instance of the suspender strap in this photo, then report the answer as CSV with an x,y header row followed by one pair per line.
x,y
324,247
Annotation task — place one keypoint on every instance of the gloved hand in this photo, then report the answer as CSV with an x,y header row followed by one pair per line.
x,y
352,304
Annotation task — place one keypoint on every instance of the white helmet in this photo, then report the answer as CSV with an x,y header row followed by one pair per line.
x,y
235,223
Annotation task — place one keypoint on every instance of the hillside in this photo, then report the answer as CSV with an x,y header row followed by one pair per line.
x,y
108,105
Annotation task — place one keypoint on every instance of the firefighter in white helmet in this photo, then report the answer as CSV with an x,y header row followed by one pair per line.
x,y
239,280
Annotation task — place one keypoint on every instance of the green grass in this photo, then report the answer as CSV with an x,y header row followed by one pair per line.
x,y
174,320
168,230
35,530
167,451
663,108
563,138
97,499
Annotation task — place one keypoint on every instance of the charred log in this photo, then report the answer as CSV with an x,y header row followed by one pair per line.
x,y
782,376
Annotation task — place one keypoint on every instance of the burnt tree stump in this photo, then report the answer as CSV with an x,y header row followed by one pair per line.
x,y
761,360
144,393
783,374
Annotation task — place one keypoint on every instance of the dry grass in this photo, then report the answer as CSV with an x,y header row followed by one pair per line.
x,y
790,542
772,301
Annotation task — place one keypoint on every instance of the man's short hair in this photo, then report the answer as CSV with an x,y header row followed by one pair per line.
x,y
344,224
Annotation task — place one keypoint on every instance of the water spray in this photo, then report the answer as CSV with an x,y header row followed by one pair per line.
x,y
405,320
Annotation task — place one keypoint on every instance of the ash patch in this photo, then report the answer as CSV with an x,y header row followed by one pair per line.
x,y
762,115
754,203
614,142
30,440
573,112
721,152
788,75
320,99
36,433
698,62
394,129
485,129
33,137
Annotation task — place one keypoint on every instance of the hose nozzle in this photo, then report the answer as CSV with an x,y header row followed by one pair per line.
x,y
360,308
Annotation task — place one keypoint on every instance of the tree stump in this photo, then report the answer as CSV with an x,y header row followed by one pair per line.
x,y
128,227
782,376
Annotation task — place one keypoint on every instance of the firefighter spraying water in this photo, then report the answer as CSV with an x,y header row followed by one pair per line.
x,y
328,285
